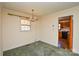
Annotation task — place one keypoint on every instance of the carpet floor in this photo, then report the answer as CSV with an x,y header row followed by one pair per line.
x,y
38,49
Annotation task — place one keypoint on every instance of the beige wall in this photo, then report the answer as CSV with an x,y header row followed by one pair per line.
x,y
0,32
49,32
12,36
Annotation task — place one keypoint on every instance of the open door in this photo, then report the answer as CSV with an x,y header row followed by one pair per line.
x,y
65,32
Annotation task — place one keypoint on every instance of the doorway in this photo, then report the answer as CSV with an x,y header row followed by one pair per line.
x,y
65,32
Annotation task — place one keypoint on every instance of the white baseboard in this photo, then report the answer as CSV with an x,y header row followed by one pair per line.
x,y
19,46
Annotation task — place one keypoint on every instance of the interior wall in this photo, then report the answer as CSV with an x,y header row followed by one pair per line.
x,y
49,27
12,36
0,33
38,30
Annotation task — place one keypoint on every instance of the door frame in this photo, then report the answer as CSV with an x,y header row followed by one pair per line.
x,y
71,31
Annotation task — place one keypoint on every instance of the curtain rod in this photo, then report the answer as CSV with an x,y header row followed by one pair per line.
x,y
23,16
18,15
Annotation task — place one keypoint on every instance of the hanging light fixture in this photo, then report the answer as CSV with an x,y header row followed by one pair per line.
x,y
33,18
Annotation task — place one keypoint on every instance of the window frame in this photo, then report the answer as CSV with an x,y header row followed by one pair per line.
x,y
25,25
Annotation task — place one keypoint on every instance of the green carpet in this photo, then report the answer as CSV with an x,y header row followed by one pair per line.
x,y
38,49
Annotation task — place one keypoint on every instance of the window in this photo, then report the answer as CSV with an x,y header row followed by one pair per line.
x,y
25,25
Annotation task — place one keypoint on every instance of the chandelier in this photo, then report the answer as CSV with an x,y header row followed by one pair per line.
x,y
33,17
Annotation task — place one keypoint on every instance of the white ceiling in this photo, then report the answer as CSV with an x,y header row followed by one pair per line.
x,y
41,8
